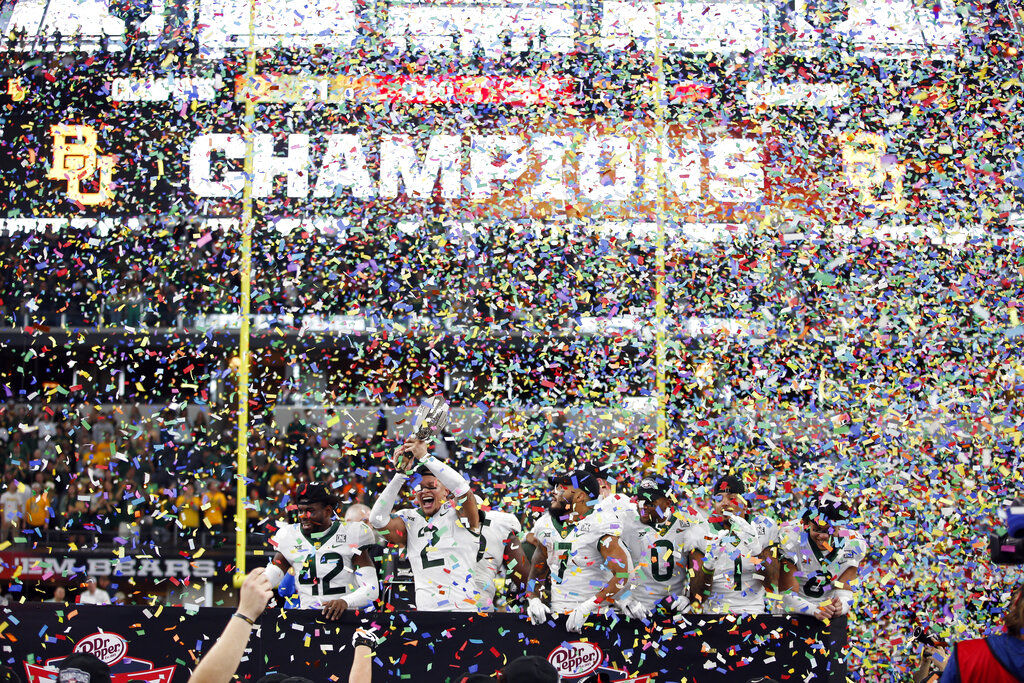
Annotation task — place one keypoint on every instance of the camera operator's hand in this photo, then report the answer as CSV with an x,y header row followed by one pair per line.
x,y
939,656
933,663
255,594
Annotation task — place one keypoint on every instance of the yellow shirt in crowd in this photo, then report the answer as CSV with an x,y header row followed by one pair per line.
x,y
36,512
214,506
188,511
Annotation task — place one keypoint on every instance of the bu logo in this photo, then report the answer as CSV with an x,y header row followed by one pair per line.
x,y
78,161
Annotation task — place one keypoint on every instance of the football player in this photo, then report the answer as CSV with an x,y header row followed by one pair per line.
x,y
732,566
616,504
660,546
441,536
820,559
333,569
502,553
578,546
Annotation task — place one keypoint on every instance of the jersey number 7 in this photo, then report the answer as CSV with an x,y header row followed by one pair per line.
x,y
563,549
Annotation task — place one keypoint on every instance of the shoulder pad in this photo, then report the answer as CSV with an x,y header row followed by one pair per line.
x,y
284,536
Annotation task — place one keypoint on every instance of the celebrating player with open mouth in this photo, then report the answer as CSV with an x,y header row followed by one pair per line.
x,y
441,536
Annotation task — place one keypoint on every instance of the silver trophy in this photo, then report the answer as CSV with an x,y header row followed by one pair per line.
x,y
431,417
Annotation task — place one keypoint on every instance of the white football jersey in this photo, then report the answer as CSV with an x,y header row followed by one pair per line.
x,y
322,562
732,553
495,527
617,506
815,570
443,553
660,555
578,570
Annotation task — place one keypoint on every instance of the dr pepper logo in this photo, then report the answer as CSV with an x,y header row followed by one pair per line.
x,y
112,649
108,647
576,659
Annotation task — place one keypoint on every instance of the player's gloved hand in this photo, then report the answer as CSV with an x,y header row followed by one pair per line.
x,y
579,615
537,611
681,606
634,609
367,636
740,526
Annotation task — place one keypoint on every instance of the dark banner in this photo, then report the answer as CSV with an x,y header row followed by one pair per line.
x,y
75,567
162,644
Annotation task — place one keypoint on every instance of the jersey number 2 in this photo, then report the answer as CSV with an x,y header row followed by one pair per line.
x,y
435,538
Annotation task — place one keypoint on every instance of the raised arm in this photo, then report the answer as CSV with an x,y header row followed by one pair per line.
x,y
392,528
460,489
221,662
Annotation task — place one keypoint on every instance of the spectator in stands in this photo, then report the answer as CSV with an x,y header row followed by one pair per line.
x,y
10,512
37,511
60,594
256,509
93,594
994,659
214,506
189,507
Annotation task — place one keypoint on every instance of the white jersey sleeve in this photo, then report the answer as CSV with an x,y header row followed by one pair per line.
x,y
361,536
284,538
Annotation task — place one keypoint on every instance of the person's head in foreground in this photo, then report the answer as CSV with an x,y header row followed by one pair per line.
x,y
520,670
83,667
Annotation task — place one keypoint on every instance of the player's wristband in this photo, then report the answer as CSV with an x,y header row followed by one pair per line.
x,y
795,603
244,618
274,574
